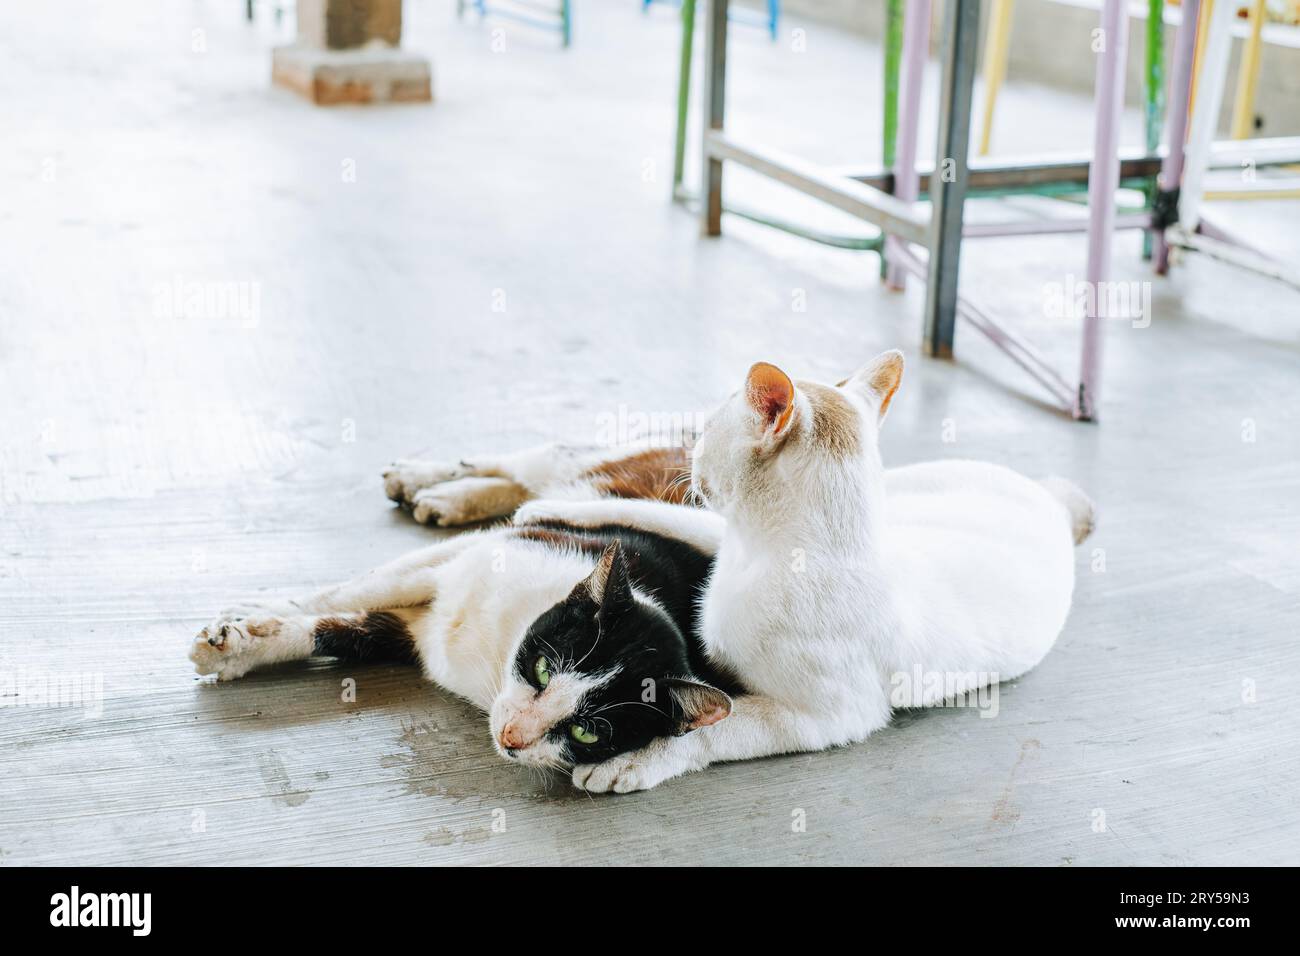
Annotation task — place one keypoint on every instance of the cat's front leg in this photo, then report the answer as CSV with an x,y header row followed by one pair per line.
x,y
453,494
699,528
758,727
641,769
482,487
407,476
231,646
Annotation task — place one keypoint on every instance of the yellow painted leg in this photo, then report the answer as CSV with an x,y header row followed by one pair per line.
x,y
1202,28
997,46
1221,195
1243,107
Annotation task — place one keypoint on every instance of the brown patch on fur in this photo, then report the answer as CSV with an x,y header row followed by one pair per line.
x,y
374,635
656,473
264,628
835,420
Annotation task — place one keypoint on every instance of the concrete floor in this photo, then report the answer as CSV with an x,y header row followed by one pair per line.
x,y
155,467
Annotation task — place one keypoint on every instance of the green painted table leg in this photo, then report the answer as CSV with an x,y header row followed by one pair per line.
x,y
1155,104
683,94
893,61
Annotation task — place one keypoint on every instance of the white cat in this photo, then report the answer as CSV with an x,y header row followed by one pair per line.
x,y
834,577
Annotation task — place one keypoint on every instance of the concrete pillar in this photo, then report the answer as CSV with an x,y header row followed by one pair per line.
x,y
348,51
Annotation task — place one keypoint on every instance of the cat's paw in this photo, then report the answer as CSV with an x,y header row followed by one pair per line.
x,y
228,646
218,649
404,478
639,770
543,511
465,501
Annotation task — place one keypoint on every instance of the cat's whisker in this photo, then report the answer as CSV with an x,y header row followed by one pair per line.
x,y
623,703
683,478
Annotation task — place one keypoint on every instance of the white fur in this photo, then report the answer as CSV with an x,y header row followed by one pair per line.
x,y
834,576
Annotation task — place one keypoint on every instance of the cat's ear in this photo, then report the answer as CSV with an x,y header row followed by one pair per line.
x,y
878,380
771,394
697,704
608,584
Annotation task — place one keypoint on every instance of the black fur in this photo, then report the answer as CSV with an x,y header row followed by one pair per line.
x,y
645,643
373,636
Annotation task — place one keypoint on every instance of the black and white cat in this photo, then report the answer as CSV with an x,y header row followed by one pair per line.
x,y
580,643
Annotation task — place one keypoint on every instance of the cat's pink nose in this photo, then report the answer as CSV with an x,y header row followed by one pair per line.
x,y
512,738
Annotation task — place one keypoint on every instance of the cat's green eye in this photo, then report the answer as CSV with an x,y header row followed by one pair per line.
x,y
582,735
542,671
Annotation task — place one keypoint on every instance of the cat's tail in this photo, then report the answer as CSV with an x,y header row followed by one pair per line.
x,y
1083,513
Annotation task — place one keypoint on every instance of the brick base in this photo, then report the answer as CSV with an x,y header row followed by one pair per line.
x,y
371,74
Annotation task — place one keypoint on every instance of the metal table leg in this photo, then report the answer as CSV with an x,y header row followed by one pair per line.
x,y
948,189
916,44
1243,108
1212,79
1102,182
997,47
1155,101
1180,88
893,62
715,98
683,94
